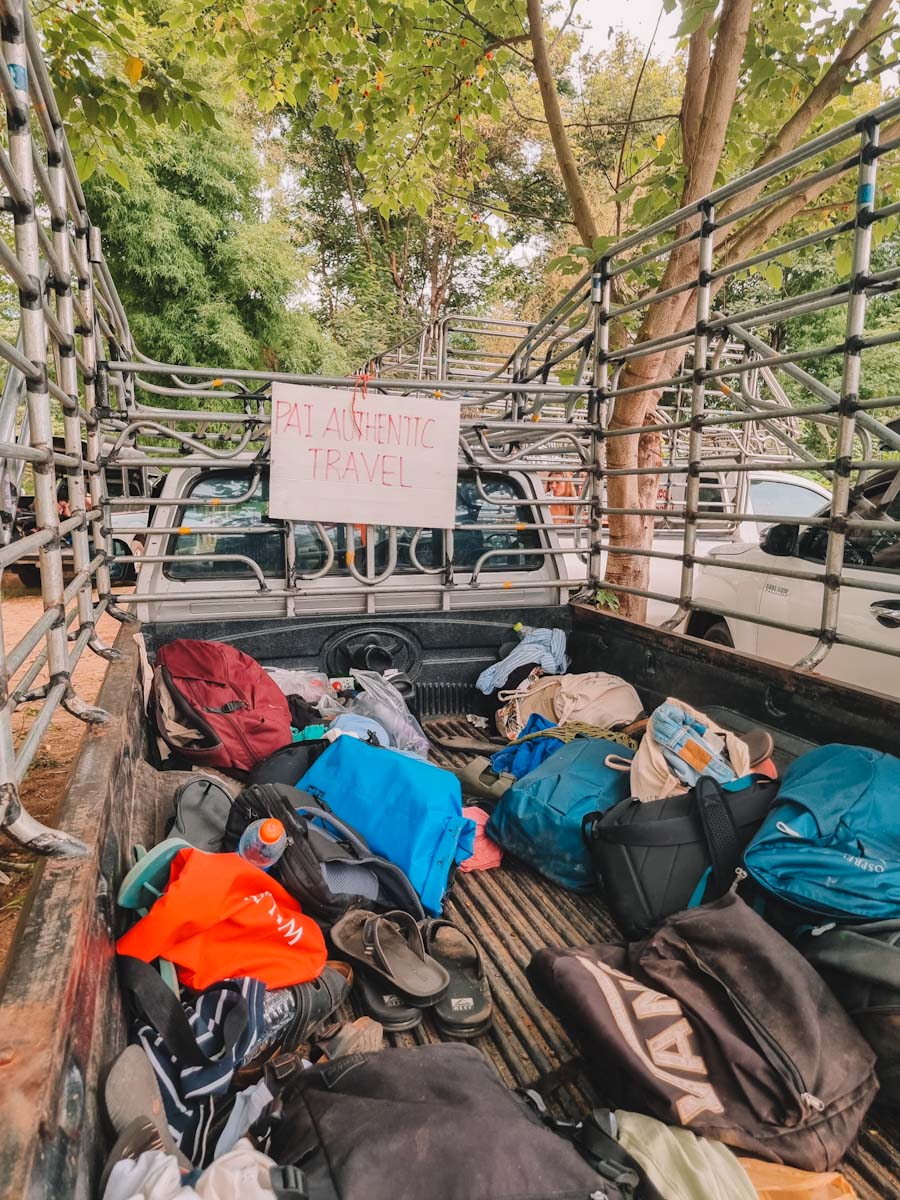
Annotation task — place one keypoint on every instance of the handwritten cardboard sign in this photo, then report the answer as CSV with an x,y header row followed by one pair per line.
x,y
345,457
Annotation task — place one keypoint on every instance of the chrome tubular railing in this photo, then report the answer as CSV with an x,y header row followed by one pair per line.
x,y
81,405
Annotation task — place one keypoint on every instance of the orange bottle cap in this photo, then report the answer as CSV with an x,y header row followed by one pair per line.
x,y
270,831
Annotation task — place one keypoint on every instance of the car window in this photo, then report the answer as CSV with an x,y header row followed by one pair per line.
x,y
783,498
869,546
264,543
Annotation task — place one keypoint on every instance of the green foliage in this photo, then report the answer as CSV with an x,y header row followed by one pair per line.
x,y
203,277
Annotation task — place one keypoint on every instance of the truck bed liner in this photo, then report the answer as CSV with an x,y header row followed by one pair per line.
x,y
513,911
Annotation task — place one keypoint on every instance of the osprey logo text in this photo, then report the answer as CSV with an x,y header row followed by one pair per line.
x,y
669,1055
876,865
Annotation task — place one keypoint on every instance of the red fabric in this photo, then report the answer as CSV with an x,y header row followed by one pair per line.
x,y
486,853
222,918
212,675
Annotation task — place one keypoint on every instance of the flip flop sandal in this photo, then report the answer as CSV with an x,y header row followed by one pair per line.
x,y
466,1010
391,948
145,883
131,1093
469,745
384,1004
149,877
760,744
478,779
138,1136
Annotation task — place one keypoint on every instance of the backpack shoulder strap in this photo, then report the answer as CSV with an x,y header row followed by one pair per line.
x,y
719,830
161,1007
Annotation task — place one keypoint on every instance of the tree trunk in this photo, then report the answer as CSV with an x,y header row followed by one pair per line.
x,y
714,104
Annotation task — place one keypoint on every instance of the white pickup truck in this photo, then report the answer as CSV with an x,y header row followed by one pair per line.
x,y
764,493
527,560
869,611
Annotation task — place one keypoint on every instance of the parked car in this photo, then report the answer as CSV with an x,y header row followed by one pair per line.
x,y
869,599
764,493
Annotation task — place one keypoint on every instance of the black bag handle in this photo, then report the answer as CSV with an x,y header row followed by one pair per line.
x,y
160,1006
722,839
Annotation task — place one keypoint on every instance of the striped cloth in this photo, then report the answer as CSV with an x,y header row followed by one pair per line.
x,y
544,647
195,1096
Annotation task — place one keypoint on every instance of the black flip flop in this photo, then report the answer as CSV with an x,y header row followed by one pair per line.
x,y
391,948
466,1010
388,1007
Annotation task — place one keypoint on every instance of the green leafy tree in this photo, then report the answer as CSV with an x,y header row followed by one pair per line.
x,y
204,278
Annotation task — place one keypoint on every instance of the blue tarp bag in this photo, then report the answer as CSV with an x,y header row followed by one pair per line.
x,y
539,818
407,810
830,844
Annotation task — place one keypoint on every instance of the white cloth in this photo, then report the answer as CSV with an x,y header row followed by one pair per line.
x,y
152,1176
249,1106
241,1174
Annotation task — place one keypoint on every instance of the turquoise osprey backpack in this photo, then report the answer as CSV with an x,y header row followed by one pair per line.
x,y
539,818
830,844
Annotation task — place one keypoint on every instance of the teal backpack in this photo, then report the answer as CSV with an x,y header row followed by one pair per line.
x,y
830,845
539,818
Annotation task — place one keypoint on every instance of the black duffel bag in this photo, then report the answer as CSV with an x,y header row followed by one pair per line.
x,y
861,965
433,1121
326,865
656,857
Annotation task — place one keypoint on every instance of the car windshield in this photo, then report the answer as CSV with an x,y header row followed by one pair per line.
x,y
783,498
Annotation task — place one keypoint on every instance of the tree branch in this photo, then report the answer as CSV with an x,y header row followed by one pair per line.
x,y
821,95
695,82
634,96
562,29
581,209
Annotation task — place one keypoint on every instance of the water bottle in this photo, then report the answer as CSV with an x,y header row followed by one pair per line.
x,y
263,843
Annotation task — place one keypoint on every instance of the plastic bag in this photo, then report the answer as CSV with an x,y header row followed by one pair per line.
x,y
381,701
308,685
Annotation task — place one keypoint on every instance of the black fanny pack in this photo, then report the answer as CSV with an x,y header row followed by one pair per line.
x,y
656,857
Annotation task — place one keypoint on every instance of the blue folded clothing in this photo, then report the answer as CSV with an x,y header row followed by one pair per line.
x,y
407,810
520,757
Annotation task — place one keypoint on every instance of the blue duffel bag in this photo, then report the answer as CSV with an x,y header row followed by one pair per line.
x,y
539,818
407,810
830,844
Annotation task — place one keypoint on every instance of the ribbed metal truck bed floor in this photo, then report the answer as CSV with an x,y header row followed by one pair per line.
x,y
512,912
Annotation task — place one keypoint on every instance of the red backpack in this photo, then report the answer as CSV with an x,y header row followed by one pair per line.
x,y
216,706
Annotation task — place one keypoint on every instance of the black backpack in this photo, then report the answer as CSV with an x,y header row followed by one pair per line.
x,y
326,865
656,857
436,1122
861,965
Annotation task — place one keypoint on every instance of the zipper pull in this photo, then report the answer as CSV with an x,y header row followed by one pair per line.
x,y
739,876
812,1102
820,929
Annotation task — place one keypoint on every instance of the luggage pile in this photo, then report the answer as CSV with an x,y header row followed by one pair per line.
x,y
734,1032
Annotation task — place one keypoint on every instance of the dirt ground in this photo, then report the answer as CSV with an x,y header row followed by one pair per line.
x,y
45,783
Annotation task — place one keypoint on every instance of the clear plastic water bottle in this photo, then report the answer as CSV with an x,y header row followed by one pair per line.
x,y
263,843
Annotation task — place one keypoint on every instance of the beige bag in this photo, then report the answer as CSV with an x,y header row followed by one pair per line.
x,y
596,698
535,694
653,779
681,1165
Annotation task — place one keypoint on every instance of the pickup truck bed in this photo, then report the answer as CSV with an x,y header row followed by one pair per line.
x,y
60,1014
